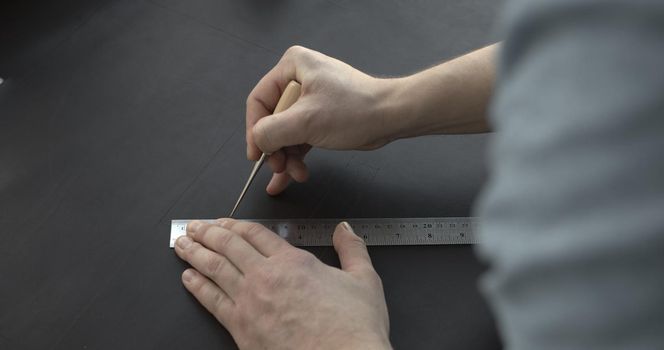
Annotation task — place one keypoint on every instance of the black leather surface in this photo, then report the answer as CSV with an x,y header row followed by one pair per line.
x,y
118,116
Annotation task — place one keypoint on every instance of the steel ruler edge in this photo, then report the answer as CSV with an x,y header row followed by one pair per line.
x,y
375,232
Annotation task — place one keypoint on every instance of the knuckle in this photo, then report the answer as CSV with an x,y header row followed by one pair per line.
x,y
253,230
195,287
295,50
252,98
227,223
225,239
260,136
301,56
202,231
301,257
190,251
218,300
194,283
355,239
214,265
314,62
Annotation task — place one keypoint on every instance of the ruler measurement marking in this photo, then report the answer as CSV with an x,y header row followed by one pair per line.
x,y
379,231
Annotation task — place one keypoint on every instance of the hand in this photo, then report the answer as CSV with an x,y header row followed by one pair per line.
x,y
271,295
340,108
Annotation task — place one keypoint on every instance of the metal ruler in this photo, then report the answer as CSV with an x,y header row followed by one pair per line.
x,y
392,231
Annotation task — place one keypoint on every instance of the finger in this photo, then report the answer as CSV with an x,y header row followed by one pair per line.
x,y
255,111
266,94
352,250
209,295
277,161
278,183
211,264
261,102
297,169
295,165
227,243
260,237
299,150
286,128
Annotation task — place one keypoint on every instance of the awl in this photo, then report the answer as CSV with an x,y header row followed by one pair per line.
x,y
287,99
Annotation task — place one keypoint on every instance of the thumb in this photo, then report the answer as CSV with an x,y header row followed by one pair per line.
x,y
352,250
282,129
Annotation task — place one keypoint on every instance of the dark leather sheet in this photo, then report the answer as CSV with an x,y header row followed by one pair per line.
x,y
118,116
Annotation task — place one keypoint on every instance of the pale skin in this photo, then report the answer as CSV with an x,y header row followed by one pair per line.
x,y
271,295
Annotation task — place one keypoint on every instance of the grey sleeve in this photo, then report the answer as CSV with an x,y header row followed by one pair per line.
x,y
572,217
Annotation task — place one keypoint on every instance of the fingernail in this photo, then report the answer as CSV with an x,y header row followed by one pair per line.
x,y
347,227
222,222
194,225
183,242
187,275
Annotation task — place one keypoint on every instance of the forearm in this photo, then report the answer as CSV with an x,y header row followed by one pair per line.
x,y
451,98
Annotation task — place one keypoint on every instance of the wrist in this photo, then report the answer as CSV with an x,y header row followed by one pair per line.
x,y
411,106
392,109
370,340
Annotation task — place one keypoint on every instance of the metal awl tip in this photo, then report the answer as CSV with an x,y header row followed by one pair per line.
x,y
246,186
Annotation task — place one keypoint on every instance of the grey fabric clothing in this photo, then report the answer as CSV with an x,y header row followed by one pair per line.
x,y
572,218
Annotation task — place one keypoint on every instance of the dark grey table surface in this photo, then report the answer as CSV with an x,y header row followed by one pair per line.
x,y
118,116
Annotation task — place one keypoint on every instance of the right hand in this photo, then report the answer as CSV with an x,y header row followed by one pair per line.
x,y
340,108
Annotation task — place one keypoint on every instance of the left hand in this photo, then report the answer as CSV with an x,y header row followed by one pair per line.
x,y
269,294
